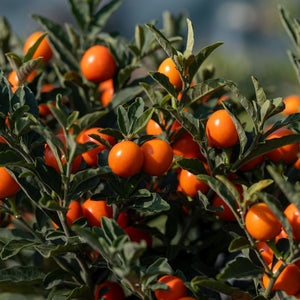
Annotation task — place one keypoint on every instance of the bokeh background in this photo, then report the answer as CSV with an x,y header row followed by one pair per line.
x,y
255,41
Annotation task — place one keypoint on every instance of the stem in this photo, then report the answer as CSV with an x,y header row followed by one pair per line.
x,y
273,278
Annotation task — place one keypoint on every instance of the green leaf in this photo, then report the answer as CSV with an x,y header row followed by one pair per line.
x,y
152,95
79,293
17,276
259,92
163,80
125,95
139,37
101,17
272,144
289,190
258,186
241,267
238,244
221,287
239,127
60,43
291,25
190,40
51,250
204,88
111,229
13,247
142,120
28,56
163,41
193,165
81,12
151,204
123,120
200,57
89,119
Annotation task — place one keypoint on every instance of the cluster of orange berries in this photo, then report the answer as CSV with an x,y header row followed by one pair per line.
x,y
155,157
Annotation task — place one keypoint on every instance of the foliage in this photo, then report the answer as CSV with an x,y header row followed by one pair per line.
x,y
188,239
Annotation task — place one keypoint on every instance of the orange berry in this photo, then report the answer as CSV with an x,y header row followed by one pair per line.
x,y
125,159
158,157
288,280
44,49
176,289
106,88
8,185
292,105
50,159
115,291
288,152
261,223
94,210
91,156
190,185
168,68
293,216
97,64
220,130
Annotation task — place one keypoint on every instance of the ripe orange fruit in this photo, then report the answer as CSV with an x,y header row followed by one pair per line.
x,y
190,185
125,159
288,152
94,210
261,223
186,147
158,157
176,289
293,216
168,68
297,164
137,235
220,130
288,280
265,251
44,110
123,219
44,49
97,64
91,156
153,128
14,80
8,186
227,214
292,105
75,212
106,88
51,161
115,291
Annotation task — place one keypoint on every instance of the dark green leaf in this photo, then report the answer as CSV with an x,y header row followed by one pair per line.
x,y
238,244
60,43
101,17
200,57
151,204
193,165
190,40
81,12
13,247
163,80
163,41
221,287
123,120
241,267
142,120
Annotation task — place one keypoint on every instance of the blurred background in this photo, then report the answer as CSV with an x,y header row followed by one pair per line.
x,y
255,41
